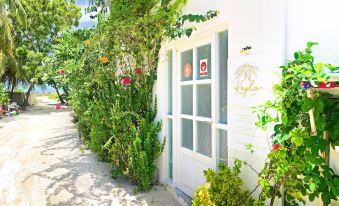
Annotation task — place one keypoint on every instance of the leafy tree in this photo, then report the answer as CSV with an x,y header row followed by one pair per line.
x,y
60,65
46,19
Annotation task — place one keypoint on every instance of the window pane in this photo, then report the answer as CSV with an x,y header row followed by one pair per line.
x,y
187,65
204,62
222,148
169,82
170,149
187,100
187,133
223,56
204,138
204,100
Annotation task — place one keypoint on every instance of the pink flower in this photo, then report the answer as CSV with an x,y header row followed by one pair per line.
x,y
276,147
126,81
61,72
138,71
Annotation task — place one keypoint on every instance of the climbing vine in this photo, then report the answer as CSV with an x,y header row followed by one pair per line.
x,y
296,166
109,74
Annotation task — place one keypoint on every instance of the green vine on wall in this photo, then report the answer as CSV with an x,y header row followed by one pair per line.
x,y
296,166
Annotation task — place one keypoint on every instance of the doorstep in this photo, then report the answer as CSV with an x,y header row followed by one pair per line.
x,y
180,196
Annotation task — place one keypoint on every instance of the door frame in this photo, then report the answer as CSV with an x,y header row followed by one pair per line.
x,y
208,35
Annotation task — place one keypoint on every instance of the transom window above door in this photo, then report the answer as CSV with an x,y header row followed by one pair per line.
x,y
195,89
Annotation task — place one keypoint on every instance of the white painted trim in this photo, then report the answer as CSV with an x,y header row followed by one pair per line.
x,y
214,105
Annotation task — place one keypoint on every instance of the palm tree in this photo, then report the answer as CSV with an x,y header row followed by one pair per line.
x,y
8,66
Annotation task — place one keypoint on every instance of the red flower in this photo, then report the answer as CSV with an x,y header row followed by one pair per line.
x,y
328,85
61,72
126,81
138,71
276,147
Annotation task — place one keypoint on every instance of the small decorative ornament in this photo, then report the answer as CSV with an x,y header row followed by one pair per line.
x,y
138,71
126,81
187,70
306,85
104,60
62,72
203,68
246,50
276,147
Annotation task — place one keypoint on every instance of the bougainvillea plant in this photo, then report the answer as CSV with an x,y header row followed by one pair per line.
x,y
110,79
296,167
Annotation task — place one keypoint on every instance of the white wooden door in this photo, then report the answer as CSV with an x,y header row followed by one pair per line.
x,y
198,107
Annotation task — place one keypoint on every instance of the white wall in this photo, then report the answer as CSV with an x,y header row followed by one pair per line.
x,y
314,20
256,23
274,29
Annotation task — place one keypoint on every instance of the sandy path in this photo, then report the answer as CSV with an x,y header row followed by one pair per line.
x,y
41,164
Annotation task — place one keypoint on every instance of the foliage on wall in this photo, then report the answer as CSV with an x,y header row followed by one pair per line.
x,y
296,165
108,74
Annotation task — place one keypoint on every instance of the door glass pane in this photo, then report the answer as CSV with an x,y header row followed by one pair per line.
x,y
187,65
169,82
187,99
204,62
204,138
187,133
222,149
204,100
170,149
223,56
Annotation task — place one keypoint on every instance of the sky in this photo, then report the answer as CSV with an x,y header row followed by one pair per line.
x,y
85,21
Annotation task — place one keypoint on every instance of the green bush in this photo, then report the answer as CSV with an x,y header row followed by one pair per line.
x,y
3,95
223,188
109,75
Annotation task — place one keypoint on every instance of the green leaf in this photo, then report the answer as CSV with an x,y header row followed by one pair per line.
x,y
336,181
298,141
311,197
284,119
296,55
319,105
307,105
320,123
326,197
312,186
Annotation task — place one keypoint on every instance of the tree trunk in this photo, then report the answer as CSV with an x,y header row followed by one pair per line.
x,y
57,91
26,103
12,89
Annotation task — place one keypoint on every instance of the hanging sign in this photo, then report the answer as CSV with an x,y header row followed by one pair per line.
x,y
203,68
187,70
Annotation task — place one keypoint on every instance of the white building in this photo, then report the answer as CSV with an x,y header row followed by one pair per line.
x,y
207,115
